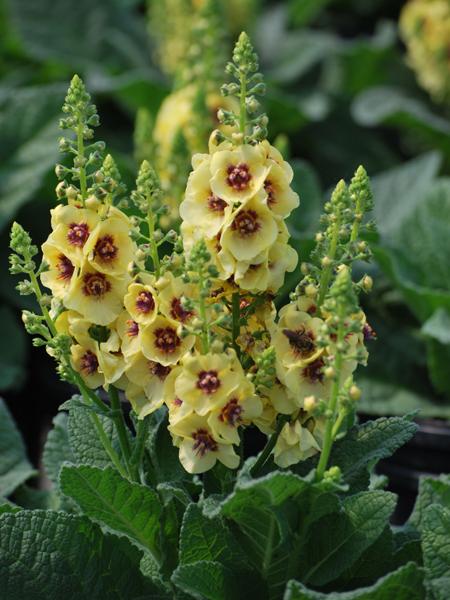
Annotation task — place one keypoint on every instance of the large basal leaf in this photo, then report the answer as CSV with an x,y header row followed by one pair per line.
x,y
203,538
407,184
406,583
126,508
274,515
14,465
208,580
57,448
431,491
46,554
85,444
12,351
339,540
435,530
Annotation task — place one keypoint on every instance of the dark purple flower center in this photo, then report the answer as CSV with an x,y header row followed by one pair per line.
x,y
238,176
208,381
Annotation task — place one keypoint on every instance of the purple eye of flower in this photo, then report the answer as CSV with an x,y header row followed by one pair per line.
x,y
314,371
238,176
78,233
64,267
231,413
95,284
158,370
145,302
216,204
88,363
105,249
270,191
246,223
208,381
166,340
132,328
177,311
204,442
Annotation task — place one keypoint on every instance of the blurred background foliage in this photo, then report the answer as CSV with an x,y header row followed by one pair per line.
x,y
341,93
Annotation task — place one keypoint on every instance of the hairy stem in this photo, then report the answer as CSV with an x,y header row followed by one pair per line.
x,y
328,270
119,422
269,446
236,319
243,108
153,244
332,407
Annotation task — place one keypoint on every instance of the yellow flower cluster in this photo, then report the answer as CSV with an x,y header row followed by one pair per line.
x,y
303,377
237,198
425,28
176,116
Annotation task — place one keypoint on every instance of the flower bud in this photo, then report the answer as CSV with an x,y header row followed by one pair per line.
x,y
367,283
354,393
309,403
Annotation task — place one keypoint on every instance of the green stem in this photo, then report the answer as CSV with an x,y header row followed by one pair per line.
x,y
139,446
236,322
328,270
153,244
82,170
121,427
243,109
107,445
282,420
332,407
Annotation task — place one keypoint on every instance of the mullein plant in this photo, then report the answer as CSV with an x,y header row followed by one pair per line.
x,y
183,364
197,330
425,29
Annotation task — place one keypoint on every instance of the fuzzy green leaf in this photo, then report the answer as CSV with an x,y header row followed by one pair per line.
x,y
14,465
435,530
431,491
212,581
338,541
85,444
57,448
404,584
124,507
46,554
203,538
408,183
366,445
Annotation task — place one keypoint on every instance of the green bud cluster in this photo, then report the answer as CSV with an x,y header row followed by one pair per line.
x,y
266,372
80,180
340,241
250,126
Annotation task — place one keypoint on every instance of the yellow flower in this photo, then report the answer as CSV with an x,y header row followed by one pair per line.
x,y
171,298
295,337
150,376
201,207
305,379
237,175
162,341
241,407
295,443
85,362
141,302
199,448
281,199
267,419
281,399
97,296
130,334
61,274
72,227
206,380
109,248
251,230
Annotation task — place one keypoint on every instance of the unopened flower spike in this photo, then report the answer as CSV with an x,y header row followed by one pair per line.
x,y
81,118
249,126
341,240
